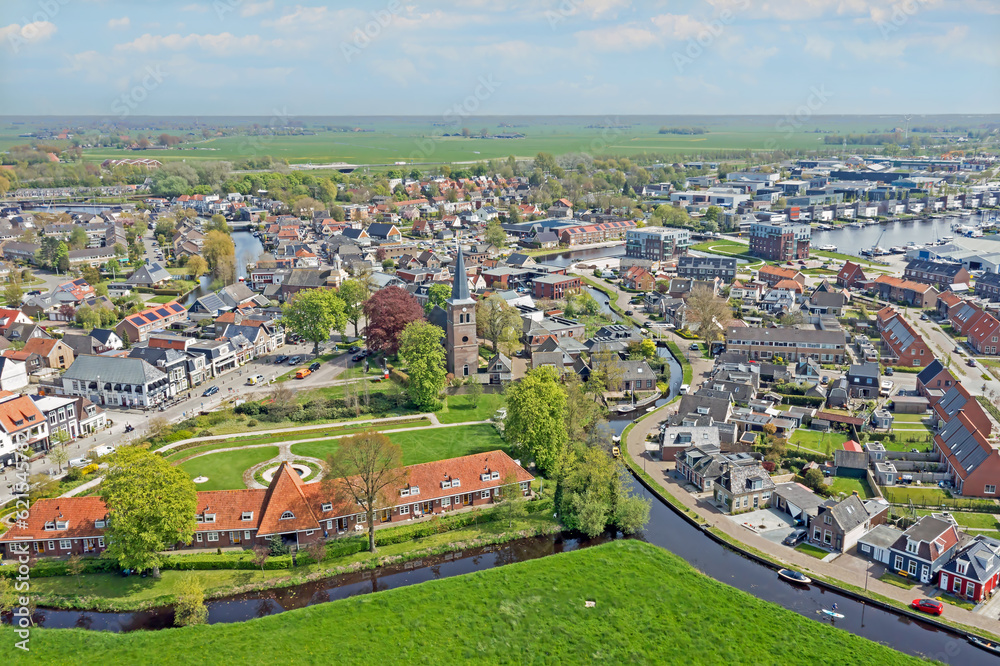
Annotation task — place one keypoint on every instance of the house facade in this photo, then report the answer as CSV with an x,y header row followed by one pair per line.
x,y
923,549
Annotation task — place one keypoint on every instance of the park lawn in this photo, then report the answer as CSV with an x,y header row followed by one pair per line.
x,y
847,485
428,445
225,470
823,442
459,408
525,612
986,521
810,549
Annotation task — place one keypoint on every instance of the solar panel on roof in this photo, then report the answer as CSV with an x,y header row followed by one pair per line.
x,y
138,321
162,312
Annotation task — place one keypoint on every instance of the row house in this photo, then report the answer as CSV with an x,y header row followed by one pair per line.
x,y
958,399
22,426
942,275
984,334
91,256
172,362
974,572
948,303
116,381
791,344
61,415
988,286
772,275
594,233
934,380
851,275
198,370
904,345
704,268
139,326
896,289
288,511
972,461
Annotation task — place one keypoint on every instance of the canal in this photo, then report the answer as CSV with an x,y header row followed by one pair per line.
x,y
248,249
851,240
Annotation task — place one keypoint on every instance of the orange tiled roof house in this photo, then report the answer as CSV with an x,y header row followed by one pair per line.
x,y
299,513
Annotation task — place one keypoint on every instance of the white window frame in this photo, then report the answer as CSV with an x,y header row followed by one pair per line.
x,y
404,492
327,507
912,567
456,483
100,542
65,544
198,537
246,515
213,536
899,563
446,501
287,515
990,489
404,510
246,535
361,518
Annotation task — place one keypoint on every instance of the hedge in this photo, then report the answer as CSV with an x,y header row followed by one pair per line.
x,y
806,400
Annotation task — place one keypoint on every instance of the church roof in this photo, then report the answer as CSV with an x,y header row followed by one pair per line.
x,y
460,284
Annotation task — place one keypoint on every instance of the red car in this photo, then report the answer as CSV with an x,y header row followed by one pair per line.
x,y
927,606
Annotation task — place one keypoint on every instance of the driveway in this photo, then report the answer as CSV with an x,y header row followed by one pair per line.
x,y
771,524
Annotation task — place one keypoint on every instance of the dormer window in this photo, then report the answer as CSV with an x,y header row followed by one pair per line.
x,y
327,507
415,490
49,526
911,547
246,515
209,517
404,492
446,484
962,568
287,515
99,523
198,518
495,475
62,525
455,483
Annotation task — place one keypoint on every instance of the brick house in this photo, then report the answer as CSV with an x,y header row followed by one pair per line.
x,y
934,380
297,513
936,273
947,302
958,399
851,275
984,334
903,345
988,286
138,326
895,289
839,525
556,286
772,275
973,463
638,278
54,353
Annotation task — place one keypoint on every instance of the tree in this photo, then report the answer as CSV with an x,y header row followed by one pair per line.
x,y
366,469
218,223
58,454
475,391
114,266
421,350
354,294
313,313
60,262
511,499
583,412
671,216
535,423
710,312
197,266
608,372
220,253
588,304
813,479
712,214
261,553
388,312
67,311
495,235
189,609
78,238
13,293
74,567
438,294
151,505
498,322
592,495
91,275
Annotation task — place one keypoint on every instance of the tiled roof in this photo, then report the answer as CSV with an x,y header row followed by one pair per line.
x,y
19,413
285,497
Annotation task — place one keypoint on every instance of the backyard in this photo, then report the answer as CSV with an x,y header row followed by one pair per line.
x,y
932,497
821,442
848,485
535,606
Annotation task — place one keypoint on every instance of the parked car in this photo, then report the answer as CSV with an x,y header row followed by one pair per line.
x,y
103,450
294,360
693,346
357,357
684,388
354,349
303,373
281,359
796,537
889,371
825,380
930,606
971,363
924,317
256,379
629,313
78,462
315,366
211,390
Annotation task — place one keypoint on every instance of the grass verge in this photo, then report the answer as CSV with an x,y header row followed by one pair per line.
x,y
809,549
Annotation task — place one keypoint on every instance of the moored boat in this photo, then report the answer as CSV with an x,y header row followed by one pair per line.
x,y
793,576
989,646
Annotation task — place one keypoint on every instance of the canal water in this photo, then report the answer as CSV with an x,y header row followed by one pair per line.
x,y
851,240
248,249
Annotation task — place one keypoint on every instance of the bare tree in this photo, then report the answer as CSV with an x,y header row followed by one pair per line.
x,y
365,468
607,373
711,313
260,555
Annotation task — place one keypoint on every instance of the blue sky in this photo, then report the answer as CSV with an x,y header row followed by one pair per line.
x,y
395,57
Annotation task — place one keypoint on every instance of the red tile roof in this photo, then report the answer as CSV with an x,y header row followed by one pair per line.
x,y
285,497
19,413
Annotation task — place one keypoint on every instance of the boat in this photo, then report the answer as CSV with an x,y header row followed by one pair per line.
x,y
794,576
895,249
833,614
947,238
984,644
828,248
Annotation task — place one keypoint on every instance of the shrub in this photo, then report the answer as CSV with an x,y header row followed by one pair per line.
x,y
252,423
74,474
91,468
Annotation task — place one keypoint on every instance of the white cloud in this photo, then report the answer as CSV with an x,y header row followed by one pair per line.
x,y
821,47
630,37
16,35
254,8
122,22
195,7
221,44
679,26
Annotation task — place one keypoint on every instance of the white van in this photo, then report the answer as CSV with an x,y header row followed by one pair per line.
x,y
256,379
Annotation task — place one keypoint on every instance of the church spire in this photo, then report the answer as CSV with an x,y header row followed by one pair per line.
x,y
460,286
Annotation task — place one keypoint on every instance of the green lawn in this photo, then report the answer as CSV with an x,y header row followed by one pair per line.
x,y
225,470
824,442
161,299
909,418
847,485
459,409
810,549
968,519
922,441
527,612
931,496
420,446
898,581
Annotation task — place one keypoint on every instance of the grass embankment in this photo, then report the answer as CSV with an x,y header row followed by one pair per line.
x,y
728,248
521,613
420,446
109,591
810,549
687,371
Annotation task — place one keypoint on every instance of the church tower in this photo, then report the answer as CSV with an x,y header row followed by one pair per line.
x,y
460,332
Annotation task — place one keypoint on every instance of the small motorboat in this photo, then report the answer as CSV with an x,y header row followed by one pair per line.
x,y
794,576
989,646
831,613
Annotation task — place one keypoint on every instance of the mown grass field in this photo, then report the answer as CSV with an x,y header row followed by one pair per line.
x,y
225,470
650,607
420,446
824,442
847,485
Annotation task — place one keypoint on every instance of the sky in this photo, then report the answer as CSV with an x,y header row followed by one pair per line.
x,y
498,57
